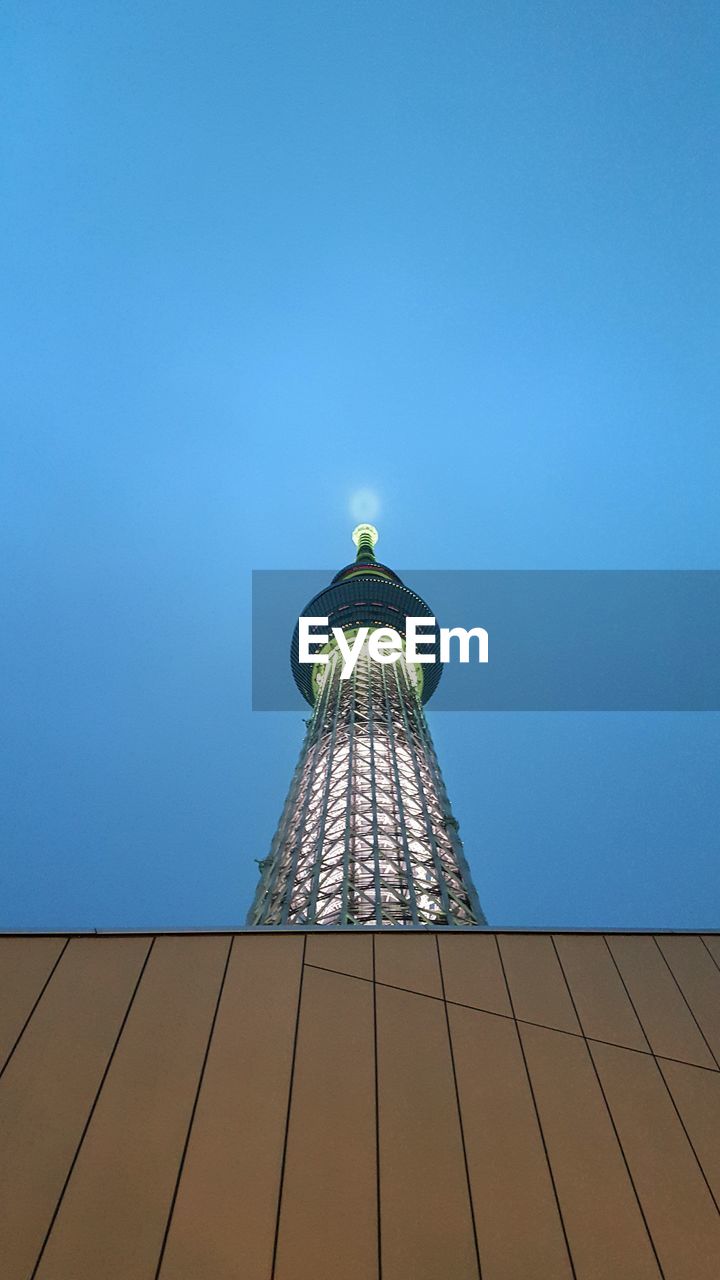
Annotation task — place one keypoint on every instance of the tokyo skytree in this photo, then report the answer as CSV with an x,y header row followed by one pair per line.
x,y
367,837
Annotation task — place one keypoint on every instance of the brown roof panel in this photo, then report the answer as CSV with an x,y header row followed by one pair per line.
x,y
408,960
26,964
328,1217
606,1231
602,1003
472,972
698,977
425,1216
680,1212
538,989
696,1094
227,1198
344,952
50,1086
518,1224
661,1007
207,1107
112,1217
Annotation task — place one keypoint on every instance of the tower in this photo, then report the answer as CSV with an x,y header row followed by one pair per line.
x,y
367,836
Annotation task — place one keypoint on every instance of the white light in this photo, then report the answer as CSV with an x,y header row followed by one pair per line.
x,y
364,505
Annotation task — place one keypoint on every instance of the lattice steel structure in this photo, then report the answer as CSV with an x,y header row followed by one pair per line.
x,y
367,836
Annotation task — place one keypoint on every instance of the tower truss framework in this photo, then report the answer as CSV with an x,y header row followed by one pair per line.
x,y
367,836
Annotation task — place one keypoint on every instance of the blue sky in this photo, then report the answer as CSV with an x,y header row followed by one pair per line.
x,y
258,256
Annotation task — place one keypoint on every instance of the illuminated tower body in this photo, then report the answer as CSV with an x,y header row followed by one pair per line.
x,y
367,836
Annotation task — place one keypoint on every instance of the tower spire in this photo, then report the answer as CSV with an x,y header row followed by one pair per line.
x,y
365,536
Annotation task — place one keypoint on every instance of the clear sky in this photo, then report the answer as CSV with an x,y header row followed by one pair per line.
x,y
258,256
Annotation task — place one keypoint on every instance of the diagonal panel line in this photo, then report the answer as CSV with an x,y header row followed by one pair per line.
x,y
687,1002
289,1108
627,993
523,1022
196,1099
39,997
537,1113
699,935
377,1115
684,1129
459,1111
91,1113
610,1114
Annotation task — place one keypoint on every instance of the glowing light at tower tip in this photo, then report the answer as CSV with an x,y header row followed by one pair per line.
x,y
366,534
